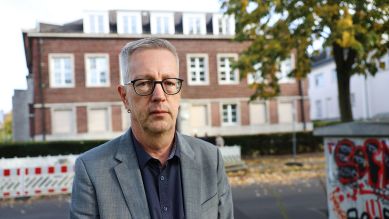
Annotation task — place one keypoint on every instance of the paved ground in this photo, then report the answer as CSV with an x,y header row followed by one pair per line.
x,y
268,189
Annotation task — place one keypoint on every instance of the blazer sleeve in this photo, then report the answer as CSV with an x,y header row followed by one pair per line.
x,y
226,209
83,200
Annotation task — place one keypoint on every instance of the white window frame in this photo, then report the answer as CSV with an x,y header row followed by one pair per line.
x,y
87,70
73,122
87,22
266,109
53,84
230,123
109,118
130,15
255,77
319,77
293,109
188,18
219,69
206,69
228,24
283,73
170,22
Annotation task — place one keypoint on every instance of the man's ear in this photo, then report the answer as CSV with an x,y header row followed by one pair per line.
x,y
123,94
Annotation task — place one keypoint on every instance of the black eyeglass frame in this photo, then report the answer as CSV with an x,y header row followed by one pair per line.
x,y
154,84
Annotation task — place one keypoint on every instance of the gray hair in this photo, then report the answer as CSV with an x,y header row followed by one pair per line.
x,y
146,43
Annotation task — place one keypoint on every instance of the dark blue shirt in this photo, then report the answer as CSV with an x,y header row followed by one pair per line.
x,y
162,183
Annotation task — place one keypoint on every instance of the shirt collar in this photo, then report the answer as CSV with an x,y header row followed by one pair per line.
x,y
144,157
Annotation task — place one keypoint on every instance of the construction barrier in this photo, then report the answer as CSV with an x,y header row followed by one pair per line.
x,y
33,176
24,177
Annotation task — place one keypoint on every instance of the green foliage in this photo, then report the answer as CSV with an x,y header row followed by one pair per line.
x,y
357,31
251,145
6,129
32,149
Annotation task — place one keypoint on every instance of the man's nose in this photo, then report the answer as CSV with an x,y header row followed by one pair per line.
x,y
158,93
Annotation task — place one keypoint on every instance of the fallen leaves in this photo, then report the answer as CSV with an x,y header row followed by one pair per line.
x,y
274,170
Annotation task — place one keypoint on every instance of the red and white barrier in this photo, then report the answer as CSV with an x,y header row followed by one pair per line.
x,y
33,181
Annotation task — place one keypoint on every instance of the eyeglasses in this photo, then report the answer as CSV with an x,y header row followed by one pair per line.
x,y
145,87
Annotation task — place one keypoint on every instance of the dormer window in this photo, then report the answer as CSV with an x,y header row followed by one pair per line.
x,y
129,22
223,24
162,23
96,22
194,23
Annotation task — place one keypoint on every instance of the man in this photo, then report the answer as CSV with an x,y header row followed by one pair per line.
x,y
151,171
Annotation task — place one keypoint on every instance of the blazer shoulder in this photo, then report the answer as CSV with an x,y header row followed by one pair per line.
x,y
199,145
108,149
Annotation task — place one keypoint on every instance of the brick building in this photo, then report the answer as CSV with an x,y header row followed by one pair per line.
x,y
75,71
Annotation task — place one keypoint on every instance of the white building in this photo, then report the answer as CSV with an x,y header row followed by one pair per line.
x,y
369,95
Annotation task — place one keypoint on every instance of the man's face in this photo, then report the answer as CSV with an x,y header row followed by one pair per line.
x,y
156,113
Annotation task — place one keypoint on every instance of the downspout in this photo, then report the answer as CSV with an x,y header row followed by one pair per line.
x,y
40,86
302,109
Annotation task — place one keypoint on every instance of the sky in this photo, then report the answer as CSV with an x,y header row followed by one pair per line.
x,y
19,15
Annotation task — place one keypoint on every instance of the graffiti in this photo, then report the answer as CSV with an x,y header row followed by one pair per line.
x,y
358,179
336,200
372,211
354,162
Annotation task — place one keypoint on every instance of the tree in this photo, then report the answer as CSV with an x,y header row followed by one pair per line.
x,y
6,129
356,31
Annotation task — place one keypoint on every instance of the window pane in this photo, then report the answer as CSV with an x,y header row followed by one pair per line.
x,y
98,120
62,71
62,121
100,24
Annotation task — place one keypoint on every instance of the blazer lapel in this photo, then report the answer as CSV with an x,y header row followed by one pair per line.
x,y
190,173
130,178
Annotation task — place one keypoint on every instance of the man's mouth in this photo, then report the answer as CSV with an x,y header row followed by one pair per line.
x,y
158,112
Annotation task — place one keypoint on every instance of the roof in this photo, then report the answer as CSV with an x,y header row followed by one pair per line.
x,y
322,58
378,128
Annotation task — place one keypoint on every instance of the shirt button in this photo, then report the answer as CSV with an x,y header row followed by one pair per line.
x,y
164,208
162,178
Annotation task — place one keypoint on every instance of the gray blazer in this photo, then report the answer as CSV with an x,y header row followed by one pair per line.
x,y
108,182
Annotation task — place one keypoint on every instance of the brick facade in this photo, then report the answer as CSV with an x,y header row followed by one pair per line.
x,y
80,97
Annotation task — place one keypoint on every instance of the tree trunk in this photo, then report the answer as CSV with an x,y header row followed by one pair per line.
x,y
344,59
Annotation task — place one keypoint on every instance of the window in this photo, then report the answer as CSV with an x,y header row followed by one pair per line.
x,y
194,24
285,68
129,23
97,73
96,22
162,23
98,120
198,116
62,121
224,65
258,113
230,114
61,70
197,65
285,112
334,77
256,76
319,80
223,24
319,109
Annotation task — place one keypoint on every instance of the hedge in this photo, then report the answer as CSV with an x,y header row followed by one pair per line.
x,y
269,144
275,144
32,149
